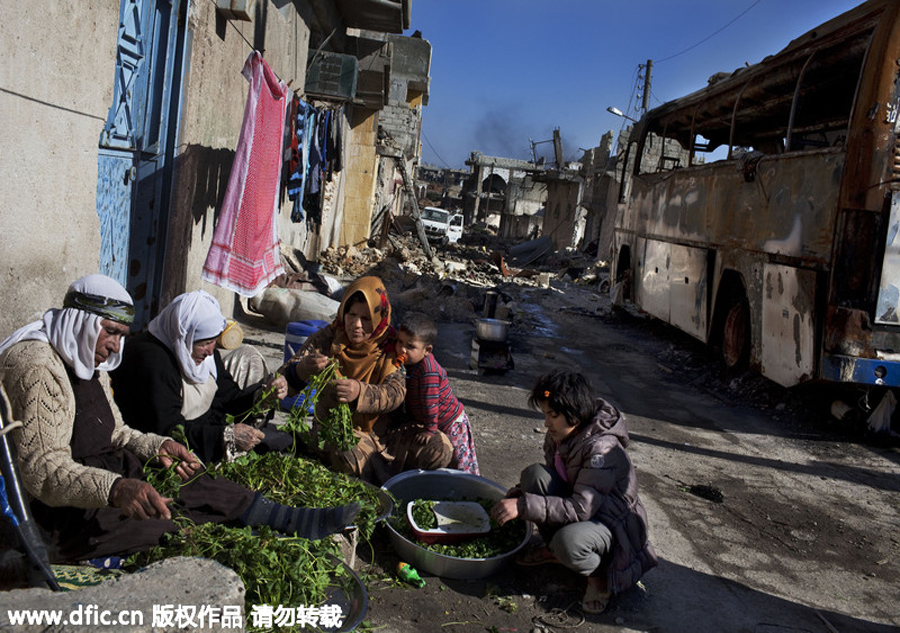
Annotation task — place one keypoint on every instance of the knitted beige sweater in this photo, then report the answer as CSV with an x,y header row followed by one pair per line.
x,y
35,380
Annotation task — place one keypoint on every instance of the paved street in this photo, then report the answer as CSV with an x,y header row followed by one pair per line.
x,y
805,538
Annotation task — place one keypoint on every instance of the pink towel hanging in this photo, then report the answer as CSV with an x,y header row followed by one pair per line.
x,y
245,254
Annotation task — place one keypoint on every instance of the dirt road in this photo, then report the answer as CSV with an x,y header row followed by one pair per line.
x,y
805,537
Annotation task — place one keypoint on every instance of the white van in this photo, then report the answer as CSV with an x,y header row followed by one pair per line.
x,y
440,226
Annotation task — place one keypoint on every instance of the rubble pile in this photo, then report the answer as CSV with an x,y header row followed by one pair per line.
x,y
452,285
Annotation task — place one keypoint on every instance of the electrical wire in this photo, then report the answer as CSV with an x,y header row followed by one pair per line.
x,y
446,164
709,37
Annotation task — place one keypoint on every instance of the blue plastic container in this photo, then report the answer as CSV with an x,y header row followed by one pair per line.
x,y
295,334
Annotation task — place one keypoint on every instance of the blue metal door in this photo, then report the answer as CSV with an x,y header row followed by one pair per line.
x,y
137,147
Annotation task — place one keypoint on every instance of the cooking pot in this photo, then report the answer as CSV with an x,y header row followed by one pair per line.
x,y
491,329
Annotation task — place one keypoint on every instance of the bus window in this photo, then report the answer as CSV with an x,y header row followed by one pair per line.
x,y
661,154
825,94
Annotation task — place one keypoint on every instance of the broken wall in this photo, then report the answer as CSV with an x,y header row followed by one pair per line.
x,y
564,217
525,198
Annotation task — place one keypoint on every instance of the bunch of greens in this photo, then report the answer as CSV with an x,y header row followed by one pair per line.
x,y
423,514
336,429
164,479
275,569
260,409
301,482
500,540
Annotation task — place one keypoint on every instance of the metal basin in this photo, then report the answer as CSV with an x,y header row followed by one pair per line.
x,y
353,600
446,484
491,329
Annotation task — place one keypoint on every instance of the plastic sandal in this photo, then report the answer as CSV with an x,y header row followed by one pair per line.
x,y
594,601
533,556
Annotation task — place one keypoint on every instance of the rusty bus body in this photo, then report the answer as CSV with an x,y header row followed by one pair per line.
x,y
783,254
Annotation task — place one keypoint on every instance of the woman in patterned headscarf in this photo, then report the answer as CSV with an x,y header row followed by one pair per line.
x,y
362,340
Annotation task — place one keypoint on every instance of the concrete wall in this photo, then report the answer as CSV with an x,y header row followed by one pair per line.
x,y
56,93
524,198
564,217
362,171
57,80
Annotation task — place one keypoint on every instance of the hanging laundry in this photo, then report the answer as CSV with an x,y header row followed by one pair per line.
x,y
290,158
297,185
335,140
312,201
245,254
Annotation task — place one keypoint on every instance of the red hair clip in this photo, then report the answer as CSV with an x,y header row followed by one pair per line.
x,y
546,394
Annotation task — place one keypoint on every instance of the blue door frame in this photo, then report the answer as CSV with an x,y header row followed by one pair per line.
x,y
137,147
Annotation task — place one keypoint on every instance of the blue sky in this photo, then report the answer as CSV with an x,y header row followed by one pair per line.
x,y
508,72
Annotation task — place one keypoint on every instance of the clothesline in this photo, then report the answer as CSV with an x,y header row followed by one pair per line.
x,y
285,145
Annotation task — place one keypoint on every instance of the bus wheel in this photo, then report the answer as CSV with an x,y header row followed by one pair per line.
x,y
736,336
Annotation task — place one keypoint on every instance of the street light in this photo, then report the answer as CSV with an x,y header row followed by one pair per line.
x,y
617,112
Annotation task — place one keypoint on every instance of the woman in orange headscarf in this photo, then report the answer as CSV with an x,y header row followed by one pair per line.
x,y
371,381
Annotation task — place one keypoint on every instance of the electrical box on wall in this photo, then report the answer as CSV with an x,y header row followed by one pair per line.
x,y
332,75
235,9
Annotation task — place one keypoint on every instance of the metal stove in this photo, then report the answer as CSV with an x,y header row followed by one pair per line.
x,y
491,356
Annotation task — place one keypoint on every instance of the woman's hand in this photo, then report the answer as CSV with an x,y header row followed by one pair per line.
x,y
505,510
277,387
310,365
187,464
139,500
422,437
246,436
346,389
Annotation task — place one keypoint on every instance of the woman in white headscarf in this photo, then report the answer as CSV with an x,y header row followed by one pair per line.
x,y
73,330
174,376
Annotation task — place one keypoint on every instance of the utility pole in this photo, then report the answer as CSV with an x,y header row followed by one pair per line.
x,y
645,102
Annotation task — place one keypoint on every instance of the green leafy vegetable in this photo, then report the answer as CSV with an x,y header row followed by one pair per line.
x,y
423,513
275,569
301,482
335,430
499,540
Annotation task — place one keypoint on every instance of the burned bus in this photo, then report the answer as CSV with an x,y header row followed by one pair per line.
x,y
761,213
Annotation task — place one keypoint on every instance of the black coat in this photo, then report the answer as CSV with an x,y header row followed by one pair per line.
x,y
147,387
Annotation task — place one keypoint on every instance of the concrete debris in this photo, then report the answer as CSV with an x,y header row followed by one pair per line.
x,y
188,582
453,284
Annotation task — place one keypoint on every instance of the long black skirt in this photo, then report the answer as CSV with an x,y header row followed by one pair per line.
x,y
74,534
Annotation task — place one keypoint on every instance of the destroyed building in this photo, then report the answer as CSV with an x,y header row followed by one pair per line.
x,y
501,193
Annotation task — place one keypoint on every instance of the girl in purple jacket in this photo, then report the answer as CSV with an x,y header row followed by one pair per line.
x,y
583,499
